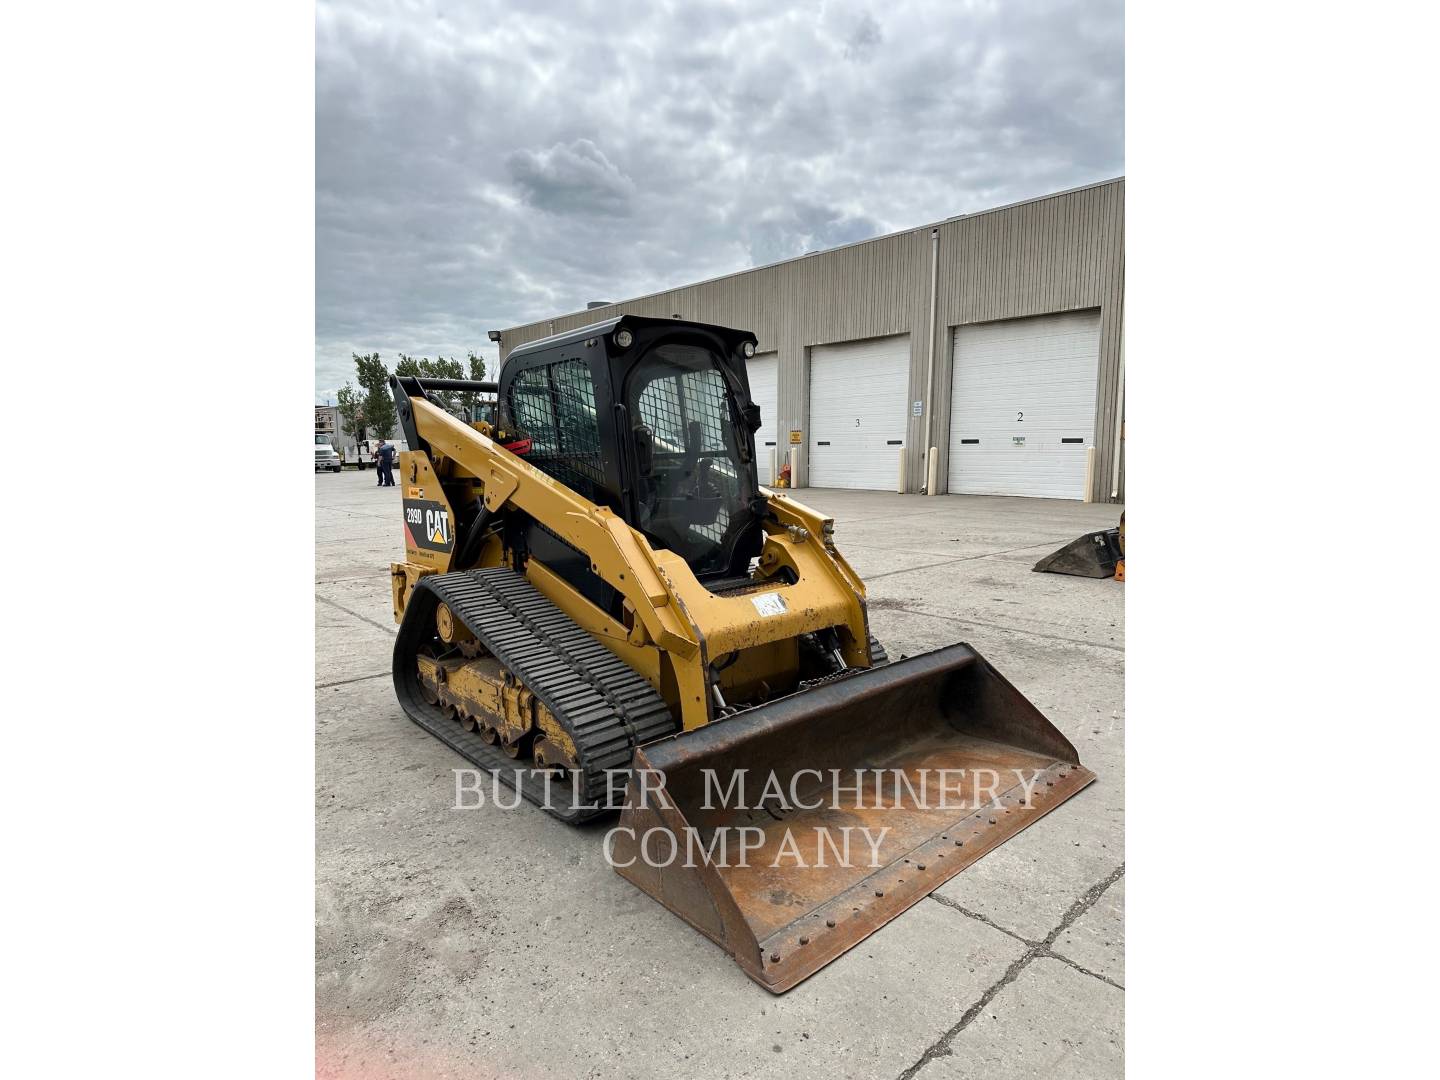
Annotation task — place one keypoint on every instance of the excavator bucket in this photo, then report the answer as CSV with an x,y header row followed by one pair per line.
x,y
794,830
1092,555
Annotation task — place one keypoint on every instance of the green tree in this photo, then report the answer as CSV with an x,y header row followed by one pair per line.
x,y
379,403
352,415
370,371
425,368
477,372
439,368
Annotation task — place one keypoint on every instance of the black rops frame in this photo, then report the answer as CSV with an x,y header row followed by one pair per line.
x,y
610,366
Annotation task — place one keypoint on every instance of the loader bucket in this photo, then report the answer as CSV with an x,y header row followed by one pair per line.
x,y
792,831
1092,555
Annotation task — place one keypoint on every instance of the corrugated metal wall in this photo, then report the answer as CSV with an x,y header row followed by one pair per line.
x,y
1058,253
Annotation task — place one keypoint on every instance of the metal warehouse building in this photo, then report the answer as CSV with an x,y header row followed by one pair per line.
x,y
994,338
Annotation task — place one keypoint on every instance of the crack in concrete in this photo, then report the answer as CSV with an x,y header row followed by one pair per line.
x,y
356,614
1006,629
1083,970
358,514
908,514
1040,946
941,1047
981,918
888,549
962,558
1012,512
345,682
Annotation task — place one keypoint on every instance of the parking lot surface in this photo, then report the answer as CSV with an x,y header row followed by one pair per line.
x,y
489,942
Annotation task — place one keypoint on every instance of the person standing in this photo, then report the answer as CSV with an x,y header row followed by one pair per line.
x,y
384,462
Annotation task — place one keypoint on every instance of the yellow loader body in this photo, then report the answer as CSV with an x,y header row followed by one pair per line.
x,y
727,708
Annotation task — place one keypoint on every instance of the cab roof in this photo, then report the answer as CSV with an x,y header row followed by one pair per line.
x,y
634,322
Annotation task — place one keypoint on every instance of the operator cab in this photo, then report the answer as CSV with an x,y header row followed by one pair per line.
x,y
653,418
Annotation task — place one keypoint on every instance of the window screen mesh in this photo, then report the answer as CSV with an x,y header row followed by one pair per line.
x,y
694,398
690,498
555,406
686,413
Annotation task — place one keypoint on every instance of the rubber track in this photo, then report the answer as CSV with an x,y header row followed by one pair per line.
x,y
607,707
878,655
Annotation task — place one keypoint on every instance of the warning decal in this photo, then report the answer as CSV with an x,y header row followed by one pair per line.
x,y
769,603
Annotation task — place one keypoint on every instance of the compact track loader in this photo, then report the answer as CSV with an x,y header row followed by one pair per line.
x,y
601,605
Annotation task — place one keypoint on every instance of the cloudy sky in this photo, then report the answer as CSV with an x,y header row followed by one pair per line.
x,y
484,164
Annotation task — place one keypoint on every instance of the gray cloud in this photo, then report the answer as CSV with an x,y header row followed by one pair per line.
x,y
484,164
572,179
867,35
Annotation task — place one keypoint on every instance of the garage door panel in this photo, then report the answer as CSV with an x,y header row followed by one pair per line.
x,y
858,400
763,372
1000,472
1022,409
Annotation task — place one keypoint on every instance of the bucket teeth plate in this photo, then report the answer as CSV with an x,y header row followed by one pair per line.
x,y
953,761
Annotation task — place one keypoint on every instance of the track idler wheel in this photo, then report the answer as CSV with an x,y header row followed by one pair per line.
x,y
519,747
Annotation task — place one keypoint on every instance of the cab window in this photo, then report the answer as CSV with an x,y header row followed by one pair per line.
x,y
554,406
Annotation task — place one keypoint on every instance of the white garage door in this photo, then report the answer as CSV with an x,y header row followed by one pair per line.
x,y
1022,405
763,372
858,394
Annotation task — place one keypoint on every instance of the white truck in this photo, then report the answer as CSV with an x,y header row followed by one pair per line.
x,y
326,456
362,454
358,453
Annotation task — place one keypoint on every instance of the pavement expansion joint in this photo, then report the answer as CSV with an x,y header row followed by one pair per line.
x,y
941,1046
355,679
355,614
